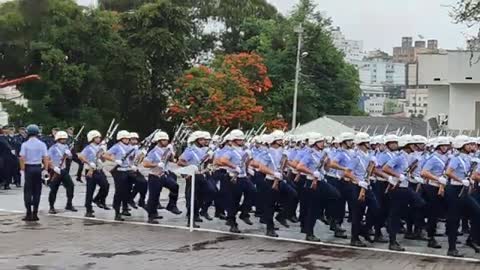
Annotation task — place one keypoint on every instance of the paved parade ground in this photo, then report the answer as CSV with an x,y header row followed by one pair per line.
x,y
70,241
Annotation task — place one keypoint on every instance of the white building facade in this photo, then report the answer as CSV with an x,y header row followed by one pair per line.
x,y
453,79
416,102
353,49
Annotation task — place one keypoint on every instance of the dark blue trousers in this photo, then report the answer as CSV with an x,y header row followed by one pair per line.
x,y
324,196
284,193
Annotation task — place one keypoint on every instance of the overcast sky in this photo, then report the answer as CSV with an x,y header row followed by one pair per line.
x,y
382,23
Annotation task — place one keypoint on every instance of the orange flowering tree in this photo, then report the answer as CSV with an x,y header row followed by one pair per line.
x,y
224,96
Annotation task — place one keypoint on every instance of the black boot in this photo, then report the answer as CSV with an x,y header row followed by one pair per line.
x,y
174,209
246,219
141,203
52,210
132,204
454,253
357,243
221,216
294,219
35,214
340,234
28,217
71,208
282,221
395,246
234,229
118,217
432,243
152,220
89,214
271,233
126,213
312,238
206,215
380,239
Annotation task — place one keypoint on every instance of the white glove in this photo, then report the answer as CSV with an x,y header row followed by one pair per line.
x,y
92,165
161,165
442,180
103,147
238,170
373,159
317,174
68,152
57,170
210,154
476,160
363,184
466,182
171,148
402,178
13,152
134,168
392,181
118,162
44,173
278,175
22,174
419,180
249,153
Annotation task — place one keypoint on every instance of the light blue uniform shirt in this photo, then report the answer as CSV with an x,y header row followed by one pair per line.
x,y
157,155
90,152
56,153
119,152
359,164
342,158
33,151
237,157
272,157
194,155
436,164
460,164
312,160
383,158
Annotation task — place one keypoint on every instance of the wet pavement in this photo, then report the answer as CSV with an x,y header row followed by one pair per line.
x,y
69,241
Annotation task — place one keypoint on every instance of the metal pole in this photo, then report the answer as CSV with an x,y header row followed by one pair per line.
x,y
298,30
192,197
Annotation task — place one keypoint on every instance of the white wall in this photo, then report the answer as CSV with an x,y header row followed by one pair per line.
x,y
438,100
431,66
462,64
462,106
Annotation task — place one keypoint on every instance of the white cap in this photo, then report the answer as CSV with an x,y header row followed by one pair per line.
x,y
61,135
206,135
361,137
419,139
346,136
461,140
160,136
92,134
315,137
134,135
377,139
123,134
405,140
390,138
442,140
237,134
277,135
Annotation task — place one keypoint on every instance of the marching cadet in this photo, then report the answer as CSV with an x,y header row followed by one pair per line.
x,y
221,176
359,170
292,151
59,153
399,168
33,154
274,161
92,156
339,163
210,183
18,139
300,178
387,149
474,195
137,180
456,192
70,141
5,160
156,160
433,172
196,155
49,140
236,159
258,178
319,194
118,154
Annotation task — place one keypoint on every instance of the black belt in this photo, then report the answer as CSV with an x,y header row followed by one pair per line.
x,y
33,165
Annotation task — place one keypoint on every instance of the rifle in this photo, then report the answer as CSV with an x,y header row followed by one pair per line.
x,y
473,168
108,136
368,173
408,173
143,144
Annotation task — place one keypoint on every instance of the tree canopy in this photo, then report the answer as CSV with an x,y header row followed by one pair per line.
x,y
137,61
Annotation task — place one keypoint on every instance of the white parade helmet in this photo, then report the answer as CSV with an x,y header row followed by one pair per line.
x,y
237,134
123,134
420,139
134,135
346,136
195,136
267,139
61,135
315,137
405,140
361,137
299,138
206,135
377,139
92,134
328,139
160,136
461,140
390,138
277,135
226,138
442,140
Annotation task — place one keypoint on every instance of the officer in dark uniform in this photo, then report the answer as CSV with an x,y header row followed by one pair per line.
x,y
5,153
17,140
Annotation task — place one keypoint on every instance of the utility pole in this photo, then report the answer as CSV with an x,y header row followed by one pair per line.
x,y
299,30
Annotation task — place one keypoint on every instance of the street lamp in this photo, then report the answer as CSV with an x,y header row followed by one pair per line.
x,y
299,31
